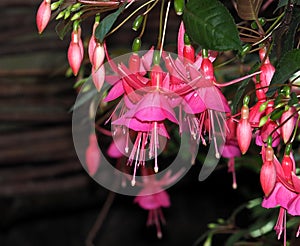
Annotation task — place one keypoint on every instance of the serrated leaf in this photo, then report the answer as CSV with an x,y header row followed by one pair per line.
x,y
209,24
248,9
286,67
106,24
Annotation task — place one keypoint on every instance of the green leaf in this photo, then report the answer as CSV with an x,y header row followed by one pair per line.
x,y
106,24
248,9
209,24
286,67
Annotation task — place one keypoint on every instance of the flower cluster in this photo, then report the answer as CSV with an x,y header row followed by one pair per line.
x,y
157,92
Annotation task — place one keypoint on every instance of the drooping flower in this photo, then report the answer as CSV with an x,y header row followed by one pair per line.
x,y
244,129
75,51
153,198
231,149
268,172
146,118
287,122
43,15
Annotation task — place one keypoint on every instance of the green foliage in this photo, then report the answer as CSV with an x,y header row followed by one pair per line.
x,y
286,67
106,24
209,24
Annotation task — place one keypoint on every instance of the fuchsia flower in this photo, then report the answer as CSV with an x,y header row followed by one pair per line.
x,y
146,117
286,191
75,51
231,149
153,198
43,15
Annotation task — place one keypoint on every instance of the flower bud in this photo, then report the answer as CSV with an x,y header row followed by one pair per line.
x,y
136,45
244,130
179,6
75,51
137,22
268,177
288,122
43,15
134,63
98,56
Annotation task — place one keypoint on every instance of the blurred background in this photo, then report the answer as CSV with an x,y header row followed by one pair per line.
x,y
46,197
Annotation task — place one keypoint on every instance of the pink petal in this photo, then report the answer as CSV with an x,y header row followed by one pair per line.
x,y
294,206
231,150
116,91
154,107
180,40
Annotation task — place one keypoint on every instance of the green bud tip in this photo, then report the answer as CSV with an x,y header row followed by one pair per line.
x,y
246,100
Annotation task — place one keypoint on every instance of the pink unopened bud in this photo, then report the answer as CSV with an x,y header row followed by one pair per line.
x,y
189,53
92,43
244,130
98,56
75,52
93,155
98,77
43,15
156,76
207,68
268,177
288,123
134,63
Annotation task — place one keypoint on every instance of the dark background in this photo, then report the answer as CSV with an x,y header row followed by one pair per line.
x,y
46,197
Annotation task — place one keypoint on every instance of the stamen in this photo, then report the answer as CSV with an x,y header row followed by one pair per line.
x,y
136,163
155,147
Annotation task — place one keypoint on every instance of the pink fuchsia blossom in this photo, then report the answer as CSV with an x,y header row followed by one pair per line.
x,y
75,51
153,198
231,149
146,118
93,155
43,15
